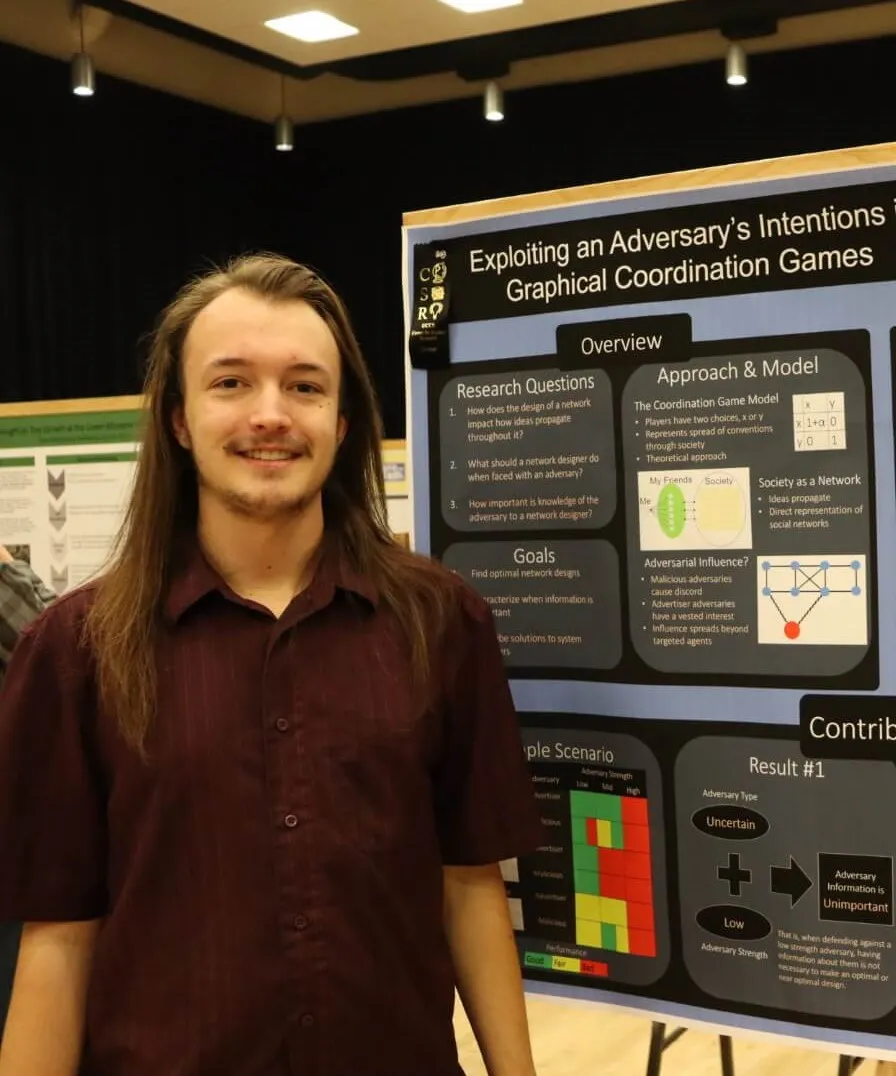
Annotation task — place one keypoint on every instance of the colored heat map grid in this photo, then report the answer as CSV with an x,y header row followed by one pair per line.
x,y
613,877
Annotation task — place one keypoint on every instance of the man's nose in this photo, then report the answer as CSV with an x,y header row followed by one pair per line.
x,y
270,411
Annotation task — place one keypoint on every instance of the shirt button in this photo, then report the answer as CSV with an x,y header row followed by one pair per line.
x,y
307,1020
300,922
291,821
282,724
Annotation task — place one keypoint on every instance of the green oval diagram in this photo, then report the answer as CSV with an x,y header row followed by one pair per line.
x,y
670,510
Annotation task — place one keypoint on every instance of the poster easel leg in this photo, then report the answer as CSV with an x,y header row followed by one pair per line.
x,y
848,1065
660,1041
726,1050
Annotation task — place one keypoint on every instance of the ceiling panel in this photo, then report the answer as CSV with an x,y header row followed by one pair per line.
x,y
384,25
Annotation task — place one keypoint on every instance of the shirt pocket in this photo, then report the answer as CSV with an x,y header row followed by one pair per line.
x,y
369,739
374,777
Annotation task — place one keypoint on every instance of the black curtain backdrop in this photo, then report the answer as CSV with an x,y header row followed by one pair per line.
x,y
108,204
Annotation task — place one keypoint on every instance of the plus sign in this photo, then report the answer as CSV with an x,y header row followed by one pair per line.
x,y
733,875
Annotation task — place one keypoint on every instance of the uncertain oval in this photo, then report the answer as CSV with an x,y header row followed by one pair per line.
x,y
670,510
738,924
731,822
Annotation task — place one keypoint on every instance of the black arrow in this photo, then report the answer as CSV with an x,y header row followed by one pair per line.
x,y
792,880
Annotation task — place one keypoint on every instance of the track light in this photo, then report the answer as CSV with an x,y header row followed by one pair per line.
x,y
83,74
283,125
494,103
283,134
83,77
736,65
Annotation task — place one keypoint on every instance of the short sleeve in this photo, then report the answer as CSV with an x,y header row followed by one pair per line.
x,y
52,818
485,801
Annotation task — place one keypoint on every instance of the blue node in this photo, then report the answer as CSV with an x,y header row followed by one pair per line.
x,y
825,564
825,592
857,591
795,564
765,565
767,591
855,566
795,592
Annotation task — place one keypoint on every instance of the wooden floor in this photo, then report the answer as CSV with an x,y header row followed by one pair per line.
x,y
575,1040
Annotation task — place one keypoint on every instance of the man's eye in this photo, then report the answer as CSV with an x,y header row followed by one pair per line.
x,y
306,387
227,383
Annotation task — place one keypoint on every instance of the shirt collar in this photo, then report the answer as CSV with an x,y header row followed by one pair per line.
x,y
193,578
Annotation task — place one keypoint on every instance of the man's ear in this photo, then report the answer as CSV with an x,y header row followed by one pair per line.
x,y
179,426
341,429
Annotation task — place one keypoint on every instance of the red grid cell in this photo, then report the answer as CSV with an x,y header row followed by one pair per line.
x,y
640,916
591,830
611,885
591,967
611,861
639,891
637,838
641,942
637,865
634,811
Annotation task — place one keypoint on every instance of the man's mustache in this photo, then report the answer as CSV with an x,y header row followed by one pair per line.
x,y
291,445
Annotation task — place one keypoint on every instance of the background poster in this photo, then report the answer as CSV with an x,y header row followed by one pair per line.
x,y
663,450
65,476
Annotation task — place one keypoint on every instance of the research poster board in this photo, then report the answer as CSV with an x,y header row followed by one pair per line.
x,y
66,472
652,423
66,469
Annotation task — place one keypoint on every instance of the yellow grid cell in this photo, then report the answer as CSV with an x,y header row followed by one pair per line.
x,y
622,939
604,834
588,907
613,911
588,933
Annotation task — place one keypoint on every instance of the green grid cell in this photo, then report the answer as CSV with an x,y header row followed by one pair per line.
x,y
579,829
583,804
588,882
618,834
595,805
608,932
609,807
584,857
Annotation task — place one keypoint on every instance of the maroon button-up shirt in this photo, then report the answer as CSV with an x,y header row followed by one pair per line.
x,y
271,880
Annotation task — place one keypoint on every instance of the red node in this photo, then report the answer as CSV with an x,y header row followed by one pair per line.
x,y
792,629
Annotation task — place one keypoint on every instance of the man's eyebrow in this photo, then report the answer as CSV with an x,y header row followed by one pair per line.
x,y
226,362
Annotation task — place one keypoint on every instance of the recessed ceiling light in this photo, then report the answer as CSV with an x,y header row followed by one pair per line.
x,y
312,26
472,7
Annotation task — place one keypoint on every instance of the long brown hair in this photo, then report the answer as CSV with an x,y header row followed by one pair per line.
x,y
124,617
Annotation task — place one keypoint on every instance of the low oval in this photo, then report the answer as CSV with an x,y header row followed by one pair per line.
x,y
736,924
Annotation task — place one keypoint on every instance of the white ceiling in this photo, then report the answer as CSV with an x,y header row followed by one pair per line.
x,y
125,48
384,25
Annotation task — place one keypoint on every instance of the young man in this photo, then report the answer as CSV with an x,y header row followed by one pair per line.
x,y
256,783
23,596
